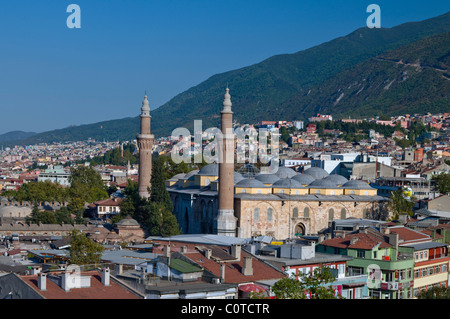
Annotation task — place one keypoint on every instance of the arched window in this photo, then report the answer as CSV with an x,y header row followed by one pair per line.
x,y
269,214
295,212
256,215
330,214
306,212
365,213
343,213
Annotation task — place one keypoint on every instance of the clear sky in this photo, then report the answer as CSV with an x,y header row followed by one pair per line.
x,y
52,76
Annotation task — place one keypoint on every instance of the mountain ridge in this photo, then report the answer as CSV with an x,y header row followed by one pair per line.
x,y
262,89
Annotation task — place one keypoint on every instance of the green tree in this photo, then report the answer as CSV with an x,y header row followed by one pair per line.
x,y
160,220
442,182
436,293
86,185
398,204
316,285
84,251
158,192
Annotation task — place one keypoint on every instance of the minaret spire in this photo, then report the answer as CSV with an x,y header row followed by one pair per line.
x,y
145,145
226,221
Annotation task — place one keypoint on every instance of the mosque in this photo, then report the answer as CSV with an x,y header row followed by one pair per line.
x,y
219,200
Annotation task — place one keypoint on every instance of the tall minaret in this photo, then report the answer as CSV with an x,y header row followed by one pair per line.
x,y
226,221
145,144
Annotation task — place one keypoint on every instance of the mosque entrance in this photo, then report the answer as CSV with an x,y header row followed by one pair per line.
x,y
299,230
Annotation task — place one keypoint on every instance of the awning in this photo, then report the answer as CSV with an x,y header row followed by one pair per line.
x,y
252,288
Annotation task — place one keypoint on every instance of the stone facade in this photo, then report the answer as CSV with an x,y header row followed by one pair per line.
x,y
291,218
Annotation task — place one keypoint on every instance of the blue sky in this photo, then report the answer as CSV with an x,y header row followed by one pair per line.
x,y
52,76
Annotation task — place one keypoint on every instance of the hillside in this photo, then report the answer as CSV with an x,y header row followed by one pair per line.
x,y
277,88
414,78
15,135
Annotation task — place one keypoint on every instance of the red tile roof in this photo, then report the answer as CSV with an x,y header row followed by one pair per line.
x,y
409,236
96,291
361,241
233,274
233,270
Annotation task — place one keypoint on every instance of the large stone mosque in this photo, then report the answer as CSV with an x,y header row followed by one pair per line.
x,y
219,200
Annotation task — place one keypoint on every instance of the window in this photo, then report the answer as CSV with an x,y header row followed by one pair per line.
x,y
417,273
306,212
295,212
424,272
256,215
343,213
330,214
360,253
269,214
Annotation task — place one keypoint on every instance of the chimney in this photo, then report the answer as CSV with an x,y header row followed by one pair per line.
x,y
222,272
208,253
42,281
119,269
106,276
65,281
353,240
35,270
236,251
247,269
393,240
167,251
184,249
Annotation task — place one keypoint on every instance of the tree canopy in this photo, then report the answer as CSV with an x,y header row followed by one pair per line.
x,y
84,251
305,286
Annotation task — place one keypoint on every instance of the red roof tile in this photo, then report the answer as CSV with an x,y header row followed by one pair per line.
x,y
96,291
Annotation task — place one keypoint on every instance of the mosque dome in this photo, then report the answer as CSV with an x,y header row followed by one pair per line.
x,y
284,172
267,178
238,177
338,179
250,183
356,184
323,183
316,172
287,183
209,170
304,179
190,174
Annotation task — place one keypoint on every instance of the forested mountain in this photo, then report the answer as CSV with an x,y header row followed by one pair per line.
x,y
367,72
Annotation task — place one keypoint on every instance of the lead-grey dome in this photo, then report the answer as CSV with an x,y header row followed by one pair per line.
x,y
357,184
209,170
267,178
316,172
304,179
338,179
323,183
287,183
284,172
238,177
190,174
250,183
